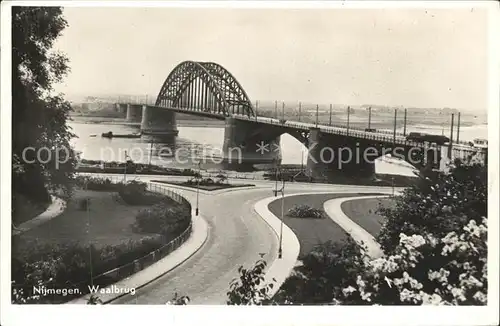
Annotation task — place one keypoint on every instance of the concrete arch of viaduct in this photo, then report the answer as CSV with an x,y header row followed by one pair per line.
x,y
331,155
250,142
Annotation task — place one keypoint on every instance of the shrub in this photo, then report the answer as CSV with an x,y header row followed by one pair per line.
x,y
305,211
84,204
437,204
221,179
249,287
201,181
68,265
323,274
439,257
459,279
167,218
135,193
179,300
190,172
97,184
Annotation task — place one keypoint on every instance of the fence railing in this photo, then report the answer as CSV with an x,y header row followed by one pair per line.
x,y
116,274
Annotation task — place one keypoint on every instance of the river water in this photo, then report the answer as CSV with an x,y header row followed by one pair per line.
x,y
205,143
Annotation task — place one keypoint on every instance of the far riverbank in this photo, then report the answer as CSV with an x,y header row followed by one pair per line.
x,y
120,121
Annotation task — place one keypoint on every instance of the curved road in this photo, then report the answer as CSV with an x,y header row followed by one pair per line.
x,y
237,234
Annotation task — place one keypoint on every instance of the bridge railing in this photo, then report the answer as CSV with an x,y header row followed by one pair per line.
x,y
379,135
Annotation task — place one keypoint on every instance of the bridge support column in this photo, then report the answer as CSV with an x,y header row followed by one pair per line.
x,y
122,109
244,144
335,157
433,158
134,113
158,121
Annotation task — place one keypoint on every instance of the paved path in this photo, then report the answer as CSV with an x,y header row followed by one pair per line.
x,y
198,237
55,209
360,235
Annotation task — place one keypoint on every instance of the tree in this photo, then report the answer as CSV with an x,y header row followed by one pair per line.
x,y
435,241
39,117
460,279
249,288
324,272
438,204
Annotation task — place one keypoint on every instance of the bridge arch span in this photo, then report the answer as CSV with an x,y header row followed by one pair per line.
x,y
204,86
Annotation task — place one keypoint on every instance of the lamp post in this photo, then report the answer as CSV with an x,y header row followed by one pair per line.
x,y
125,170
317,112
282,190
348,118
395,123
330,121
404,130
450,147
300,109
256,108
150,153
198,188
276,178
87,203
370,117
280,250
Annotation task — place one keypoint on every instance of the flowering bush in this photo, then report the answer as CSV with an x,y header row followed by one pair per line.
x,y
438,204
249,288
460,280
305,211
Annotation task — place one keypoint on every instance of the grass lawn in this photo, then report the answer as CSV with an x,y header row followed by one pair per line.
x,y
364,212
309,231
211,187
110,222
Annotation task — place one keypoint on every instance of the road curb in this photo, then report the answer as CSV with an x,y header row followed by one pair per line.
x,y
195,242
55,209
333,209
279,269
204,192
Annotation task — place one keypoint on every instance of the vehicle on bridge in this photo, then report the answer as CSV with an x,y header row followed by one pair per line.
x,y
370,130
480,143
422,137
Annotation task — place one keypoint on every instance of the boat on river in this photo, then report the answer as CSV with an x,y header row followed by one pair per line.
x,y
110,134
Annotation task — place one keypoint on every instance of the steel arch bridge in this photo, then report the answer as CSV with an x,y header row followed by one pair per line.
x,y
204,87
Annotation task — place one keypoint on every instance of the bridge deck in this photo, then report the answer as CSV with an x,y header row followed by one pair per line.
x,y
385,136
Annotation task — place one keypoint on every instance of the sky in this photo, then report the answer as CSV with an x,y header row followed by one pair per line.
x,y
408,57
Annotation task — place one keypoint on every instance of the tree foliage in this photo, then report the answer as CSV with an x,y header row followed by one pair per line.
x,y
435,244
39,117
249,288
324,272
437,204
460,278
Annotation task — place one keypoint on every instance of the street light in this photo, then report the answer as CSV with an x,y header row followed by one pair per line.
x,y
125,170
276,180
87,203
198,188
282,190
150,153
280,250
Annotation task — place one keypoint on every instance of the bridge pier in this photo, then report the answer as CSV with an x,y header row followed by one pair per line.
x,y
158,121
244,143
122,109
134,113
335,156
